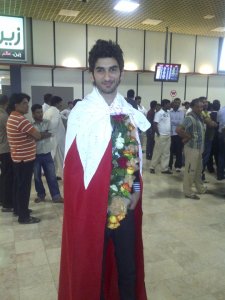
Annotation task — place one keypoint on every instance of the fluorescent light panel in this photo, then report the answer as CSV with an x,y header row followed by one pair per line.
x,y
219,29
151,22
68,13
126,6
208,17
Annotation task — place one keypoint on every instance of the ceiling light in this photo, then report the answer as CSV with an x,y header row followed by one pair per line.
x,y
71,62
208,17
68,13
219,29
126,6
151,22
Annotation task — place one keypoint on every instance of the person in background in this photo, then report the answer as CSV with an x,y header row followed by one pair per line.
x,y
215,143
141,108
221,139
162,127
58,132
192,133
65,112
102,228
176,148
21,137
44,159
46,104
150,132
6,164
130,98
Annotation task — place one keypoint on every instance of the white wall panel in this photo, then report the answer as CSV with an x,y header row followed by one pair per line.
x,y
217,89
148,89
177,86
206,54
196,86
43,47
183,51
69,78
155,49
132,44
98,32
70,43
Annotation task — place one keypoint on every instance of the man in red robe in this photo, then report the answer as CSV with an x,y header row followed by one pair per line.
x,y
102,250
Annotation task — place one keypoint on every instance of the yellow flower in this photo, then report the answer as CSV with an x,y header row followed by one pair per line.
x,y
130,170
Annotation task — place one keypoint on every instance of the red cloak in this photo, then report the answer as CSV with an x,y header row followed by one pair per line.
x,y
83,234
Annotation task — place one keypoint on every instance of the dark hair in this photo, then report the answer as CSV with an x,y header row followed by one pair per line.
x,y
137,98
4,99
35,107
104,49
195,101
153,104
130,93
165,102
177,99
202,98
216,105
55,100
75,101
47,98
16,98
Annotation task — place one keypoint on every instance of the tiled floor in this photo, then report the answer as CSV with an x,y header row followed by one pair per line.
x,y
184,245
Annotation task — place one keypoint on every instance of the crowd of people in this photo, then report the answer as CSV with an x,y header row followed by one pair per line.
x,y
29,149
192,134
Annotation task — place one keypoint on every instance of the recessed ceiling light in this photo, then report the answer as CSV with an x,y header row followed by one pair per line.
x,y
208,17
68,13
151,22
126,6
219,29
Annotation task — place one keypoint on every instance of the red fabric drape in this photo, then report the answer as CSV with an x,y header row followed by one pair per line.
x,y
83,234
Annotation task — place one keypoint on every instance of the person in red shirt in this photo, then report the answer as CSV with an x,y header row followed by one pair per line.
x,y
21,137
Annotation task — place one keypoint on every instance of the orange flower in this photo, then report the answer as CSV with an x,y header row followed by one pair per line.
x,y
126,187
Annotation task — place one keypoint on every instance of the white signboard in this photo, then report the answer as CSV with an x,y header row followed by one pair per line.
x,y
12,38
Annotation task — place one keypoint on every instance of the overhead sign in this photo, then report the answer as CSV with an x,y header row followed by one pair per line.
x,y
12,38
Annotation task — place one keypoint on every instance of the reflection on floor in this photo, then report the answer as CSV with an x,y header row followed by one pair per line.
x,y
184,243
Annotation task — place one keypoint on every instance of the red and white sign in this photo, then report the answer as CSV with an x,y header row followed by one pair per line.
x,y
173,93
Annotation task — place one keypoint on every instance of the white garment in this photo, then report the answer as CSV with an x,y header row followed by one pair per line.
x,y
58,137
162,117
89,122
45,107
142,109
65,113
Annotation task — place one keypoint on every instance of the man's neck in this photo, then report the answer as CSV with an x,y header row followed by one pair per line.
x,y
164,109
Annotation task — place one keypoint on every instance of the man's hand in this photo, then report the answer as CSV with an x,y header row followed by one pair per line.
x,y
45,135
134,199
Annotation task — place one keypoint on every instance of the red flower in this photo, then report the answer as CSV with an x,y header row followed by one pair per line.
x,y
122,162
118,118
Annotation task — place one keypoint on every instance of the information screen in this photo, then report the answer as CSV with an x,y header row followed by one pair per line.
x,y
167,72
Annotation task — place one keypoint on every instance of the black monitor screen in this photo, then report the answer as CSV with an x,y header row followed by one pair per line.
x,y
167,72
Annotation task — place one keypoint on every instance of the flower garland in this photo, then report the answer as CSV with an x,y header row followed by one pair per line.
x,y
124,163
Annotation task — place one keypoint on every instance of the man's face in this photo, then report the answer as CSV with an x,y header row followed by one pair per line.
x,y
198,108
38,115
59,105
167,106
22,107
176,104
106,76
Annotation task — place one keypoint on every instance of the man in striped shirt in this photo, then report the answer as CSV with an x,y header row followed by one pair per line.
x,y
21,137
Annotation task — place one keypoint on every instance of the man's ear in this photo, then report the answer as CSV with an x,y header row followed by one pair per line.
x,y
92,77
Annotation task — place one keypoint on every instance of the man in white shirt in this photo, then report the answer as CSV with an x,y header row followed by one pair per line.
x,y
162,126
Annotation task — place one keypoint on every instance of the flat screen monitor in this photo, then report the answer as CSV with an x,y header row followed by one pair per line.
x,y
167,72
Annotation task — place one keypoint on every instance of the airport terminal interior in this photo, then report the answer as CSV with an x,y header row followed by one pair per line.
x,y
184,239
